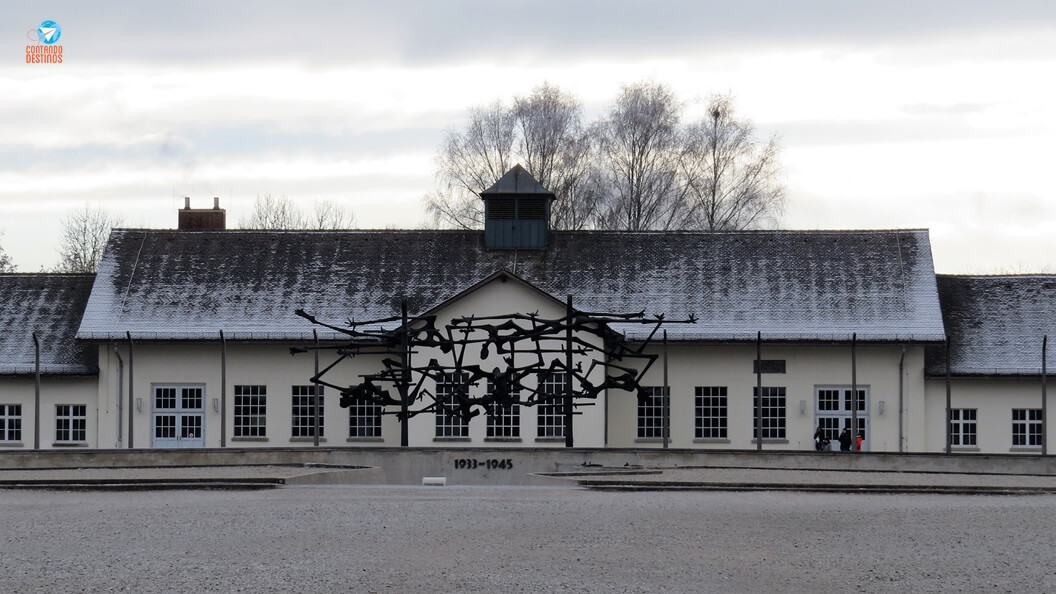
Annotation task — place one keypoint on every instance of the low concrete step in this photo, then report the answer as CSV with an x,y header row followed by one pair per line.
x,y
143,484
615,485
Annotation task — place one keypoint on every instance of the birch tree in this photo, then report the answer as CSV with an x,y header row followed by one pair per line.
x,y
271,212
639,167
85,231
641,148
5,260
734,180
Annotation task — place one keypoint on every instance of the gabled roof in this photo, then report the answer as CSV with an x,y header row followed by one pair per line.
x,y
996,324
50,305
517,181
791,285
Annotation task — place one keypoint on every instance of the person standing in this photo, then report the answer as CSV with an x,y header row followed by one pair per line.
x,y
820,441
845,440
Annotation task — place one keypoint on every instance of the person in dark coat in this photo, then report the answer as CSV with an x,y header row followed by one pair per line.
x,y
820,441
845,440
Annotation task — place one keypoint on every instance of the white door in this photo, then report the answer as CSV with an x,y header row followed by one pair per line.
x,y
834,412
178,416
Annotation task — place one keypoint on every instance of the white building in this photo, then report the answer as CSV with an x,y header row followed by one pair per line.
x,y
191,331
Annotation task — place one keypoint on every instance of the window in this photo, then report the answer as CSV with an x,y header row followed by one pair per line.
x,y
10,422
449,419
768,366
1026,427
531,208
651,413
364,419
772,407
303,415
504,421
500,209
251,411
71,423
962,426
710,411
552,413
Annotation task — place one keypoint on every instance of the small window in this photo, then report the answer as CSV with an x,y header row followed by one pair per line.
x,y
303,402
551,415
10,422
768,366
651,413
711,412
500,209
963,428
364,420
504,421
71,423
531,208
251,411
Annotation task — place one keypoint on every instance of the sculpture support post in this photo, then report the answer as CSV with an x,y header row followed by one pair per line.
x,y
315,392
223,390
131,391
1044,397
949,412
405,375
854,392
36,393
759,391
569,440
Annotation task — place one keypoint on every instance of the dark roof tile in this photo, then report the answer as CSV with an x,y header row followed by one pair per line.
x,y
792,285
50,305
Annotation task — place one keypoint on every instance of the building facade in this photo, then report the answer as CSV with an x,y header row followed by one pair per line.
x,y
183,338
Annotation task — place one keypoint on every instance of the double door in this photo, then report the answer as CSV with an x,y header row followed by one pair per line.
x,y
178,416
834,413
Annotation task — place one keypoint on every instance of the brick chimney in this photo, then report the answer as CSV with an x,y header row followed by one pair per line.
x,y
202,219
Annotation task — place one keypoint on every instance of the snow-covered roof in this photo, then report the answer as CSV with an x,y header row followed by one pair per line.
x,y
790,285
50,305
996,325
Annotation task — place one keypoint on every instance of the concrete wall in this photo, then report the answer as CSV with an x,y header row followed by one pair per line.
x,y
54,390
993,399
408,466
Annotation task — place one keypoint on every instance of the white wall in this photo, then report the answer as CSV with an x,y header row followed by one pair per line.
x,y
993,399
54,390
807,367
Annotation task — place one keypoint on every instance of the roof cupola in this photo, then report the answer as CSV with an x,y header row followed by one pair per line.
x,y
516,212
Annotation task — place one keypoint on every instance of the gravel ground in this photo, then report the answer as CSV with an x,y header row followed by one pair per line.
x,y
515,539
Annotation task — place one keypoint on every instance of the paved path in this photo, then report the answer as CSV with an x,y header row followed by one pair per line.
x,y
515,539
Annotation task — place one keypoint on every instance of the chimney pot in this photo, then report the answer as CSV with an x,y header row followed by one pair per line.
x,y
187,202
216,202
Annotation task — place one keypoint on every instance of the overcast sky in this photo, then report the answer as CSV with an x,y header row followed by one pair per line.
x,y
900,114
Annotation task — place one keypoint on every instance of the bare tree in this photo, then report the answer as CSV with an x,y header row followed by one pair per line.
x,y
470,161
734,181
641,147
637,168
5,260
85,231
327,214
557,150
271,212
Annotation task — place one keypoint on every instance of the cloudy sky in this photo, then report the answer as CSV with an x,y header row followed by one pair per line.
x,y
897,114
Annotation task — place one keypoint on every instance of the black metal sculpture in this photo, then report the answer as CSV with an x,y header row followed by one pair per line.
x,y
525,346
